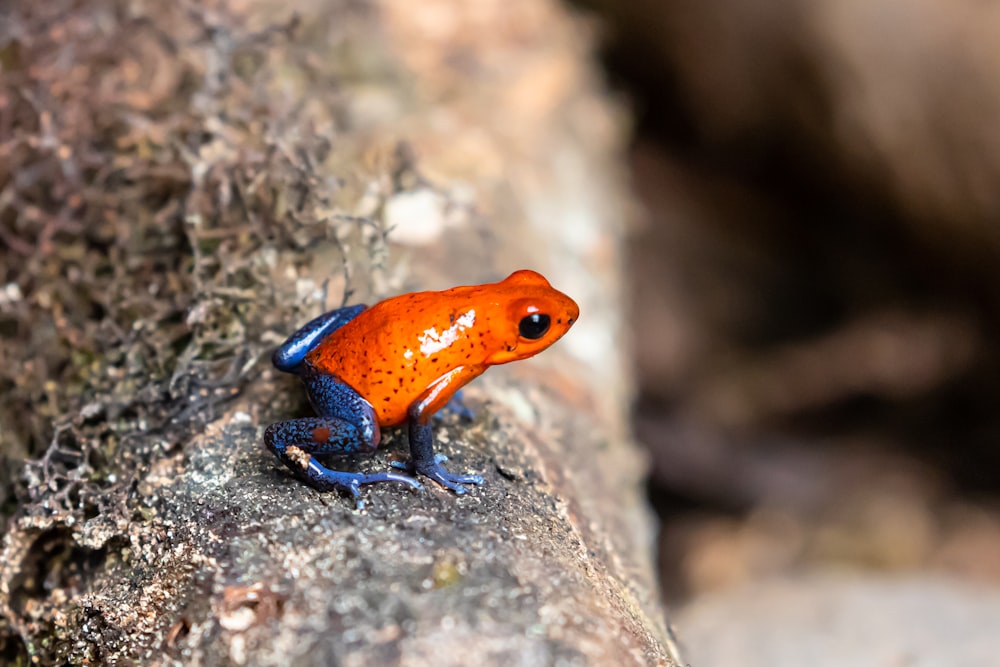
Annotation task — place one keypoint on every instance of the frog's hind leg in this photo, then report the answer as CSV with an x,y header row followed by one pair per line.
x,y
347,425
289,356
296,442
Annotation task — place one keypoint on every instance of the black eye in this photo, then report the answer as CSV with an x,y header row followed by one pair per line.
x,y
534,326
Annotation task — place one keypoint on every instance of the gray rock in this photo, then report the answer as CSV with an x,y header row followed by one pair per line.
x,y
857,620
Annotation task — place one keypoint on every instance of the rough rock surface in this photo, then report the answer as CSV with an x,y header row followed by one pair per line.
x,y
215,176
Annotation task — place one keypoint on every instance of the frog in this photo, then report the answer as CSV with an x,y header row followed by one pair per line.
x,y
399,362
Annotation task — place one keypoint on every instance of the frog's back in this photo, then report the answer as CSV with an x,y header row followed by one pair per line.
x,y
397,349
392,352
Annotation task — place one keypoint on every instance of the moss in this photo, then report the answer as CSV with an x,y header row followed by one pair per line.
x,y
152,208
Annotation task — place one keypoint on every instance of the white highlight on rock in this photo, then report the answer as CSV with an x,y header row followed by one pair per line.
x,y
431,341
416,217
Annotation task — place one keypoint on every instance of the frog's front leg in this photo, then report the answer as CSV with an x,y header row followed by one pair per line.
x,y
456,406
423,459
346,425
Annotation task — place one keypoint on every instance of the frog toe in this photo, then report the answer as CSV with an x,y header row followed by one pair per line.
x,y
454,483
379,477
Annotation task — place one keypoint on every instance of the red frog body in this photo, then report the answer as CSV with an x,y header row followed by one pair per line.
x,y
402,360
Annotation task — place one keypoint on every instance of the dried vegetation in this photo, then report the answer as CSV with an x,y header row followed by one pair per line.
x,y
146,186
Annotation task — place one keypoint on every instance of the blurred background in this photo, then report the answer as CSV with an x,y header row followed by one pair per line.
x,y
815,290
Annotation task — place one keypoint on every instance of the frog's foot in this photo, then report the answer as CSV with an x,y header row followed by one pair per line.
x,y
325,479
435,471
449,480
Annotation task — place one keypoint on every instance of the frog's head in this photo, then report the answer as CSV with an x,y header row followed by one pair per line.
x,y
535,315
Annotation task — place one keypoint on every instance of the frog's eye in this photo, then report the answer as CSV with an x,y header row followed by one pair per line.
x,y
534,326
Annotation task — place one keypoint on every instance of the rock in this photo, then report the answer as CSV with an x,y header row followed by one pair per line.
x,y
157,529
862,620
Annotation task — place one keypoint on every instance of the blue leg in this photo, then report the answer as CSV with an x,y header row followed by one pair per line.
x,y
457,407
346,425
291,353
425,462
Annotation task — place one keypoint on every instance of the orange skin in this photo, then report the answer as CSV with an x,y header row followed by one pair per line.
x,y
423,347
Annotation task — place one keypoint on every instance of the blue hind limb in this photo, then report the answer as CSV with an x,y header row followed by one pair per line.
x,y
346,425
296,443
288,358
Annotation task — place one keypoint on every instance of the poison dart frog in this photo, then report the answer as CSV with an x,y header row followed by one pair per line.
x,y
400,361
